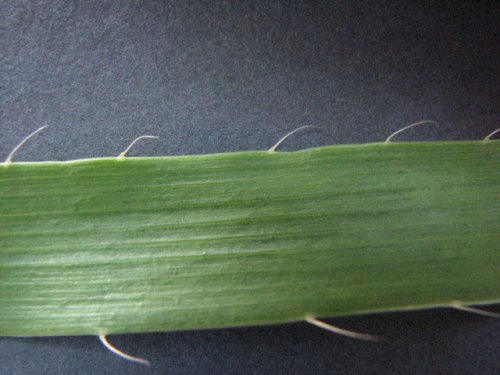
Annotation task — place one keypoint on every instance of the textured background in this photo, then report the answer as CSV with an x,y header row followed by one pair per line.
x,y
216,76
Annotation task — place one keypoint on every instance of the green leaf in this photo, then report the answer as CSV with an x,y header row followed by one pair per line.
x,y
155,244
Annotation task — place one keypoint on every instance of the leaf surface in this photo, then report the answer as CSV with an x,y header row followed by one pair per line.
x,y
156,244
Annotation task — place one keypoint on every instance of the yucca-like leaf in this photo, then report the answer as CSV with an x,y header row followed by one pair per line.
x,y
153,244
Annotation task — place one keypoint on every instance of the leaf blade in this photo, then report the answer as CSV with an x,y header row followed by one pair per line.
x,y
154,244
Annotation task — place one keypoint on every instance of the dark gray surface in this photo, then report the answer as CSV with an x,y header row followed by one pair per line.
x,y
216,77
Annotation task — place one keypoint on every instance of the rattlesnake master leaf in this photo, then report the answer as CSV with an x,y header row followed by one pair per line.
x,y
106,246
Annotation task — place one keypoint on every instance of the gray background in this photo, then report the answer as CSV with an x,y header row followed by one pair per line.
x,y
220,76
